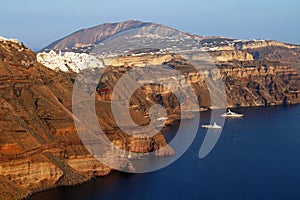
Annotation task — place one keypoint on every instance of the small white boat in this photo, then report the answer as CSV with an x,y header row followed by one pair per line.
x,y
214,126
229,113
162,118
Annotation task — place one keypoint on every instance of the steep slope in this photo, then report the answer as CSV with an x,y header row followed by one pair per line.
x,y
39,144
247,82
37,129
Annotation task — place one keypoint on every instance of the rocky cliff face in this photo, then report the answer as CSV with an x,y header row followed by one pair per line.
x,y
258,84
247,82
255,44
287,54
39,145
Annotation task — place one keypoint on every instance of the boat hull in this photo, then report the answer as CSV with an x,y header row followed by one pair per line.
x,y
232,116
211,127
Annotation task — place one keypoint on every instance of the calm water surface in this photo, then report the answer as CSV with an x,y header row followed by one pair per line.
x,y
257,157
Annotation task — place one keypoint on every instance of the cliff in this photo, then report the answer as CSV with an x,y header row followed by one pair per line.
x,y
39,144
247,82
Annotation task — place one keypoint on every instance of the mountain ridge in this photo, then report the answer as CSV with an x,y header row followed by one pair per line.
x,y
85,39
122,25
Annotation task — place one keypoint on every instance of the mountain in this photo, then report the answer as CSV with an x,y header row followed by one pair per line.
x,y
86,39
110,38
89,37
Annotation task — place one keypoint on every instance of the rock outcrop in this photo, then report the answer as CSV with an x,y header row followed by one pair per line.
x,y
229,56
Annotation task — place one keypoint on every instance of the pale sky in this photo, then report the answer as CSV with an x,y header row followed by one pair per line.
x,y
38,23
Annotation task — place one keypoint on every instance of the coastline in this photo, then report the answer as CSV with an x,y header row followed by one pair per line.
x,y
92,177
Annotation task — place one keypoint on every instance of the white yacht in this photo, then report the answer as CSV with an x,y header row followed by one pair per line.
x,y
162,118
229,113
214,126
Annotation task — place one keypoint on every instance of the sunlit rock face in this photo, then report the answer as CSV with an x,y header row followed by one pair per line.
x,y
39,144
247,83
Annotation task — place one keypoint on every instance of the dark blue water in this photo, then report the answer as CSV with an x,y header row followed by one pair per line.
x,y
257,157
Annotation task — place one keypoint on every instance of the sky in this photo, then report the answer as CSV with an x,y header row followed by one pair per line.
x,y
38,23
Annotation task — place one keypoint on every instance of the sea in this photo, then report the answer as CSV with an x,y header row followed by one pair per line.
x,y
256,157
